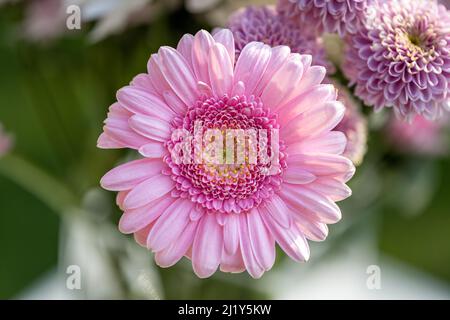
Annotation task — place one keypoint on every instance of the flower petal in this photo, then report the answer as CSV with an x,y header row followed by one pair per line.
x,y
250,262
261,240
207,247
144,103
172,254
203,42
314,122
178,75
147,191
220,70
130,174
137,219
225,37
150,127
251,66
231,233
170,225
291,240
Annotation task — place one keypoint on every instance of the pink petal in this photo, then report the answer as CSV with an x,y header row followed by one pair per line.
x,y
314,122
231,233
137,219
311,77
301,198
150,127
278,210
225,37
174,102
147,191
232,262
117,128
106,142
153,149
296,175
130,174
170,225
220,70
333,142
196,213
185,47
251,65
143,81
250,262
120,198
141,236
313,230
178,75
203,41
278,58
140,102
282,83
207,247
156,77
324,164
261,240
335,189
172,254
291,240
311,99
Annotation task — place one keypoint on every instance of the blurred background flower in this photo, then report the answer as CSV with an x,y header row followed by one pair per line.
x,y
265,25
354,126
334,16
400,58
5,141
421,136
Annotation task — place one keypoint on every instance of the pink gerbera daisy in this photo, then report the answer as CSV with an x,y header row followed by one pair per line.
x,y
228,215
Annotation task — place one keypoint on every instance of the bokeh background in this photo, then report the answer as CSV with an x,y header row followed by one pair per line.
x,y
55,88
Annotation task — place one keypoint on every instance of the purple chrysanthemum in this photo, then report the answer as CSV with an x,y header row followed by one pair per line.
x,y
341,16
401,58
265,25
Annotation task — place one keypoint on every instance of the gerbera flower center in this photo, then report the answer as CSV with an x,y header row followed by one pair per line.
x,y
234,159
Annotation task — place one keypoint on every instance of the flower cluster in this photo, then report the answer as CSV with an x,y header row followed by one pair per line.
x,y
247,137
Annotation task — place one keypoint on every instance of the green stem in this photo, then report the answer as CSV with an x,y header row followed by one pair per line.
x,y
38,182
